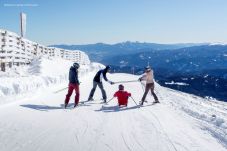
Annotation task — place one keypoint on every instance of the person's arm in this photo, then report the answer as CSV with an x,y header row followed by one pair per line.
x,y
105,78
76,78
143,77
115,94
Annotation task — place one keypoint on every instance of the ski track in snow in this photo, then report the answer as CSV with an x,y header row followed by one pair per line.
x,y
210,115
179,123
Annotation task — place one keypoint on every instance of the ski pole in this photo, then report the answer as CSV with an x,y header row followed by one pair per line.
x,y
60,90
133,100
110,100
126,81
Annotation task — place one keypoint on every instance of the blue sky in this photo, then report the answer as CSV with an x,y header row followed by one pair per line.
x,y
112,21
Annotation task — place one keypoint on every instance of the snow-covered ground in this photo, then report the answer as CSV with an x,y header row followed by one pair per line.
x,y
181,122
40,74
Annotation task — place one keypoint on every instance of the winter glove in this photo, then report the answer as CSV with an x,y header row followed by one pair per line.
x,y
110,82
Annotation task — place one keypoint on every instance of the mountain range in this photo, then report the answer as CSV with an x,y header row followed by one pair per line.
x,y
203,67
99,51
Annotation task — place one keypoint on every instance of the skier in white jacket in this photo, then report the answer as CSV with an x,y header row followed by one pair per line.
x,y
149,77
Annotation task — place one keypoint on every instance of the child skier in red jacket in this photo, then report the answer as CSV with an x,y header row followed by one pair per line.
x,y
122,96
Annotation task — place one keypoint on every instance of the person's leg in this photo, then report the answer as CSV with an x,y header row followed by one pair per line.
x,y
145,93
103,91
70,91
92,90
154,95
77,97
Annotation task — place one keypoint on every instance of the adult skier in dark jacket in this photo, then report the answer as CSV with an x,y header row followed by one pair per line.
x,y
98,81
73,84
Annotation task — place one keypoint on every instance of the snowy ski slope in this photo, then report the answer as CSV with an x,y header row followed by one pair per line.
x,y
182,122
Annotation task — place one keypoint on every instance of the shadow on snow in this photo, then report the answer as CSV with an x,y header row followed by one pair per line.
x,y
47,107
41,107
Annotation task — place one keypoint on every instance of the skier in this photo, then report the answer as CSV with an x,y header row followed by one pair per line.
x,y
73,84
149,77
98,81
122,96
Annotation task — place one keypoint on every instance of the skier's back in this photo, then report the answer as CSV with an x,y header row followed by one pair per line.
x,y
122,96
73,84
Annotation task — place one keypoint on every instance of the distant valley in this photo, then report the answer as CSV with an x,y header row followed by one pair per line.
x,y
202,67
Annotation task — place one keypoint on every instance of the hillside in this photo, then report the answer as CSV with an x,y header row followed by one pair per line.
x,y
180,122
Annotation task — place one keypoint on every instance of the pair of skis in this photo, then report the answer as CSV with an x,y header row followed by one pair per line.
x,y
138,105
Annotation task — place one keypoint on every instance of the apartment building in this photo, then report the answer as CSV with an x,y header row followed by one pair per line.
x,y
16,50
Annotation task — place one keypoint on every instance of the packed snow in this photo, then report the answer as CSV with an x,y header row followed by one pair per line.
x,y
37,120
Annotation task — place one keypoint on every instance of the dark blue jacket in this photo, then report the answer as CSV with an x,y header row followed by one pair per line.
x,y
98,74
73,76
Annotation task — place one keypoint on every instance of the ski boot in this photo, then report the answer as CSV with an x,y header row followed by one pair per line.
x,y
75,105
104,100
156,101
141,103
90,99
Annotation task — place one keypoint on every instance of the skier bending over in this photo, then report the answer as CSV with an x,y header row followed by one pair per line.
x,y
98,81
73,84
149,77
122,96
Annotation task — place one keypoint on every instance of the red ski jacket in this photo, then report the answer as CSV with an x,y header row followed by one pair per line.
x,y
122,97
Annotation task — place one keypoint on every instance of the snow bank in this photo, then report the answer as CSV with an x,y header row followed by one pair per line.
x,y
41,73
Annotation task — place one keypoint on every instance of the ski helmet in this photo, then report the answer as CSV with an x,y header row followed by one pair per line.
x,y
108,68
121,87
76,65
